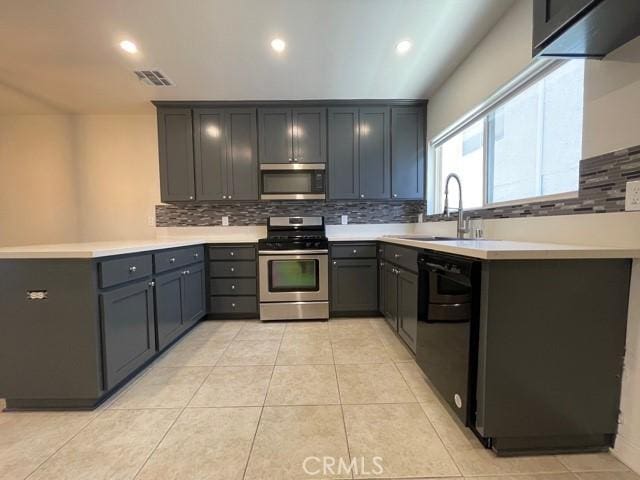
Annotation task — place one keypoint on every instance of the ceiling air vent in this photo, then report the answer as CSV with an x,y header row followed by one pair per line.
x,y
154,78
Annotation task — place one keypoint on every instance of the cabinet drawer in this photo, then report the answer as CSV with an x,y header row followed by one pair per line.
x,y
121,270
233,269
354,250
227,305
232,253
230,286
402,256
171,259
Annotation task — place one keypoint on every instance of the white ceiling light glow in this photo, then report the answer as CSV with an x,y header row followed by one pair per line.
x,y
278,45
128,46
403,47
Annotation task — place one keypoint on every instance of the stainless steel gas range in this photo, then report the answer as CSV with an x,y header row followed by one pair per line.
x,y
294,269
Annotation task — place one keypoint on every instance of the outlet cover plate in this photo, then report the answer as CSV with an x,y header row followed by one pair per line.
x,y
344,219
225,221
632,197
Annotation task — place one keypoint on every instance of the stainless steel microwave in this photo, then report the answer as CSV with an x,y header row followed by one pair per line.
x,y
297,181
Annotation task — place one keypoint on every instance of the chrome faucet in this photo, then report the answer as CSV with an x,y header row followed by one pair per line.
x,y
462,226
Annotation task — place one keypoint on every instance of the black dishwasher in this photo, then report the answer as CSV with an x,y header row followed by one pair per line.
x,y
448,317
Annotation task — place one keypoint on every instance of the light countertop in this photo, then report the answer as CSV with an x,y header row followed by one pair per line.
x,y
481,249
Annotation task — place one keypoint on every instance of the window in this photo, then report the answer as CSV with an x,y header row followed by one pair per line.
x,y
528,145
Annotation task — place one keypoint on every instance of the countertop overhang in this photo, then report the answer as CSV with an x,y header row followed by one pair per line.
x,y
480,249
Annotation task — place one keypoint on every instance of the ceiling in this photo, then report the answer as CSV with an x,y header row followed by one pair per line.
x,y
66,54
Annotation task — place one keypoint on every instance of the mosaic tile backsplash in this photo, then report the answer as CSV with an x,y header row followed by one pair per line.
x,y
602,190
256,213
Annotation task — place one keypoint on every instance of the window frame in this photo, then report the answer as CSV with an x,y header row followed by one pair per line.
x,y
535,72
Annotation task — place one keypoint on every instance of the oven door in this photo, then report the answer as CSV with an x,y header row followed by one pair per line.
x,y
293,277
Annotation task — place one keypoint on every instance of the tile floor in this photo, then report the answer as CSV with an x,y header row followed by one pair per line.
x,y
236,400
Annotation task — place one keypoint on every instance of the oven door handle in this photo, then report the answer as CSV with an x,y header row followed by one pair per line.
x,y
293,252
434,267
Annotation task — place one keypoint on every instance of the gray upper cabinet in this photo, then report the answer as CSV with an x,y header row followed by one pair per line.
x,y
276,127
344,174
210,154
309,135
297,135
242,154
407,153
226,156
375,153
175,147
359,153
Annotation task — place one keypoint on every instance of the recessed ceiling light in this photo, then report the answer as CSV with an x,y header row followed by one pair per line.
x,y
128,46
403,47
278,45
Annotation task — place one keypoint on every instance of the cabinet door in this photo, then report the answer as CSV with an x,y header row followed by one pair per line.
x,y
175,148
381,289
549,16
309,135
275,135
210,154
391,295
242,154
407,153
169,307
375,154
193,294
344,179
408,308
128,333
354,285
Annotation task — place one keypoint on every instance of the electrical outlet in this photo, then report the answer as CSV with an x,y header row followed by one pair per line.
x,y
344,219
225,221
632,198
420,218
151,220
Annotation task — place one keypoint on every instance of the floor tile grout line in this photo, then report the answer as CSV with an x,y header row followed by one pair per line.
x,y
170,426
64,444
266,393
344,423
176,419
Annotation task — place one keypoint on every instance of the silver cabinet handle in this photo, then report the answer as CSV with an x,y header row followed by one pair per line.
x,y
233,287
355,251
382,264
133,269
233,305
229,197
224,197
362,195
395,195
196,255
232,253
190,197
232,269
172,260
184,272
396,255
291,160
152,283
335,263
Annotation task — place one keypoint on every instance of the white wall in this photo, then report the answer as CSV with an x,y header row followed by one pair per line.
x,y
38,202
611,122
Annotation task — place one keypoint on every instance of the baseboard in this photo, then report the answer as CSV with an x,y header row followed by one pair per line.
x,y
627,453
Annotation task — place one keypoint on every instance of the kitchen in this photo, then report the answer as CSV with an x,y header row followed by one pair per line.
x,y
108,178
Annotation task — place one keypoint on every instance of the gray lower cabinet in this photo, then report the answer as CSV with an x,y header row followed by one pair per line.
x,y
292,135
391,296
233,281
359,153
354,285
407,153
180,301
408,307
128,330
400,287
226,154
169,314
175,149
